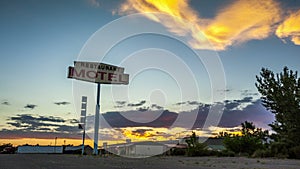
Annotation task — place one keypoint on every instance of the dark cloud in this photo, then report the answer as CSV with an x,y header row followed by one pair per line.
x,y
192,103
180,103
246,99
248,93
74,121
29,122
137,104
34,126
155,106
143,109
26,125
30,106
50,119
45,133
232,105
26,122
253,112
225,90
5,103
120,104
116,119
141,132
236,104
62,103
235,112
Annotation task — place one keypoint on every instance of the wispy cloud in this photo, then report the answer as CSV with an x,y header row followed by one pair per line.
x,y
290,28
94,3
61,103
35,126
155,106
120,104
142,109
128,124
30,106
247,92
136,104
236,23
5,103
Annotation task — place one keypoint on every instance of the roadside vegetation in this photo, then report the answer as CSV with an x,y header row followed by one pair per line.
x,y
280,94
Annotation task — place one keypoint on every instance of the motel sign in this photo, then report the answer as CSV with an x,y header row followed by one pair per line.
x,y
98,73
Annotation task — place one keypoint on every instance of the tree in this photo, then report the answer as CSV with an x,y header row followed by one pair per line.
x,y
194,147
281,95
248,142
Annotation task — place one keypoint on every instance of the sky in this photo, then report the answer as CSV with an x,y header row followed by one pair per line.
x,y
187,60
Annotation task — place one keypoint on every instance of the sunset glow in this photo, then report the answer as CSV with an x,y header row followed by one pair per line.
x,y
191,66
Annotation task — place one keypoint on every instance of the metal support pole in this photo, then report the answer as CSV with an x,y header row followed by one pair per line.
x,y
96,129
83,138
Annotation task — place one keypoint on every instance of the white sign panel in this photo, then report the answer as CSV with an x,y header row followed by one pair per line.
x,y
98,73
98,66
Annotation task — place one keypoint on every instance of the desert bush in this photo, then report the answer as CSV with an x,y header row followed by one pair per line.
x,y
178,151
294,152
262,153
226,153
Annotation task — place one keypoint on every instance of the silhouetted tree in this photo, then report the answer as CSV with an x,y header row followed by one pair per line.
x,y
250,140
194,147
281,95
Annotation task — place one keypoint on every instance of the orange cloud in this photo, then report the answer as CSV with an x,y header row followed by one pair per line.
x,y
290,28
238,22
243,21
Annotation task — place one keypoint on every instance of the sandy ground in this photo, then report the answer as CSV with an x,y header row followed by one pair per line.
x,y
45,161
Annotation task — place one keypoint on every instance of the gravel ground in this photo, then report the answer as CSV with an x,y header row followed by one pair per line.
x,y
45,161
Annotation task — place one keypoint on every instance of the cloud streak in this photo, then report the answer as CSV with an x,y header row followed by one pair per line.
x,y
134,124
61,103
30,106
290,28
236,23
94,3
136,104
5,103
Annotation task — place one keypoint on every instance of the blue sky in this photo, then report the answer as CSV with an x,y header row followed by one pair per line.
x,y
40,39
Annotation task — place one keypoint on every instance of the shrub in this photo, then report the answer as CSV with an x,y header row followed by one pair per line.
x,y
294,152
262,153
226,153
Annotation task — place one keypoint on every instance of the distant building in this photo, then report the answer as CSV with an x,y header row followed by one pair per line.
x,y
138,149
215,144
88,150
39,149
212,143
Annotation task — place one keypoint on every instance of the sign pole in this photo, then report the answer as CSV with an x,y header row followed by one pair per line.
x,y
83,138
96,129
100,73
83,120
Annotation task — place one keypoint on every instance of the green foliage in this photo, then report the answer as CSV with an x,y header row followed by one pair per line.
x,y
178,152
226,153
251,139
195,148
281,95
5,145
7,149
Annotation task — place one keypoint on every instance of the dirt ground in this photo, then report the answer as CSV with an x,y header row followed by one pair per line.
x,y
45,161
